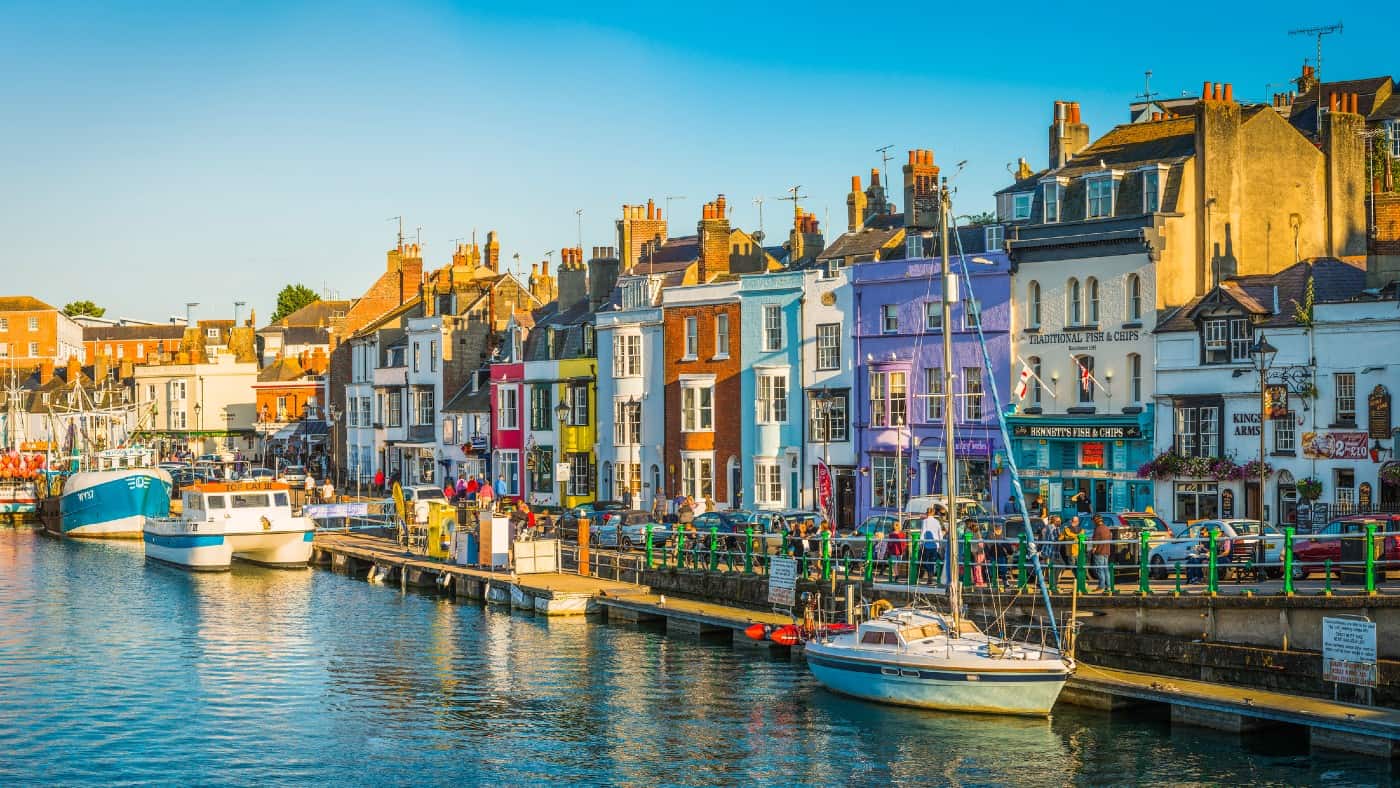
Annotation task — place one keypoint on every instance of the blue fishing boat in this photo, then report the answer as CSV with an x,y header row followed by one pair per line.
x,y
115,496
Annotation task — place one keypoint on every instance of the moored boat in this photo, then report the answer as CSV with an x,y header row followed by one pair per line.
x,y
116,497
250,521
921,658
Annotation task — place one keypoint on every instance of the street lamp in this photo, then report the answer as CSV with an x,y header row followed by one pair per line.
x,y
1261,353
561,412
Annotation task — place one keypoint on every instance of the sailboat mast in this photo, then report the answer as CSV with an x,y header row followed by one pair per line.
x,y
950,464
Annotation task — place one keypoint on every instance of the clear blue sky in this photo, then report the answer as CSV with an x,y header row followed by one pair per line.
x,y
156,153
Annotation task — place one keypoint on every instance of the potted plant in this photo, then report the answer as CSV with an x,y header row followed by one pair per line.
x,y
1390,474
1309,489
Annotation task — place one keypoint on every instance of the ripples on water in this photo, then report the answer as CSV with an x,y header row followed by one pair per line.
x,y
116,671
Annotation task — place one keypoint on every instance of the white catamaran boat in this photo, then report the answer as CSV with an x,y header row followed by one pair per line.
x,y
250,521
928,659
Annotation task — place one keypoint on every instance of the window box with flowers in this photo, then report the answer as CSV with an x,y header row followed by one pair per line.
x,y
1169,465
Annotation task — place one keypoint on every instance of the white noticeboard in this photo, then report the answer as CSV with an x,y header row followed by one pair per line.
x,y
1349,651
782,580
562,471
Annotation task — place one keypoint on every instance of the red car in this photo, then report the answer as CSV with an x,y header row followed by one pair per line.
x,y
1311,552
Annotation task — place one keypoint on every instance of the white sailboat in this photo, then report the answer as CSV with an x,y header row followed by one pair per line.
x,y
916,656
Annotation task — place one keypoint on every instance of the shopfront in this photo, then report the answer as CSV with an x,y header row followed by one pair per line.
x,y
1084,463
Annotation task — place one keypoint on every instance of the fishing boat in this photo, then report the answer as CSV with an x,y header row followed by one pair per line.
x,y
920,656
114,494
21,467
218,522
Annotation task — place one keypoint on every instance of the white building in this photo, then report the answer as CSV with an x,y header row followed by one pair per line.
x,y
631,403
203,407
1330,385
828,372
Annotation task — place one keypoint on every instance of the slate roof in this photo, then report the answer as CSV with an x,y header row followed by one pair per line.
x,y
1134,145
1370,93
119,333
306,335
316,313
468,401
1333,280
559,336
863,242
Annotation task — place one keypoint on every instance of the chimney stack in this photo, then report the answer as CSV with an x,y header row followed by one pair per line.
x,y
75,368
1068,133
856,206
713,231
641,227
101,368
45,372
602,275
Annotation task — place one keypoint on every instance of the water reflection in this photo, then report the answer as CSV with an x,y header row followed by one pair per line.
x,y
115,670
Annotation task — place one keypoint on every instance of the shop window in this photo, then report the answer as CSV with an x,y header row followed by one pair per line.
x,y
1196,501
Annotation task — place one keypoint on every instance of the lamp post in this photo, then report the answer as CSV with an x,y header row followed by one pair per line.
x,y
561,412
335,413
1261,353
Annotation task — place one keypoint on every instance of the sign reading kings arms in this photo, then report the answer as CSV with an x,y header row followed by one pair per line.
x,y
1093,432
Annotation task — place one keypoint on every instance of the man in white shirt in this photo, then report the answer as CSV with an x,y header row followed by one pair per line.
x,y
931,543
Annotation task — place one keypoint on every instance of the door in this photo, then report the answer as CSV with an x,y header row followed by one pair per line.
x,y
736,486
845,505
1251,500
1101,502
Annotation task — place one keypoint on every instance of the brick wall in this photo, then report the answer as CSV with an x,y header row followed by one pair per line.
x,y
1387,232
729,412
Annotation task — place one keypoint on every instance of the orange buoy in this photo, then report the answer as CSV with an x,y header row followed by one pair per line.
x,y
784,636
757,631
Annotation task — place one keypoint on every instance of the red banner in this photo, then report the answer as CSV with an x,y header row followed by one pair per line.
x,y
824,490
1336,446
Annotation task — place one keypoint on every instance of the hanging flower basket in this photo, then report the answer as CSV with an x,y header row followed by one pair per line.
x,y
1170,465
1390,475
1309,489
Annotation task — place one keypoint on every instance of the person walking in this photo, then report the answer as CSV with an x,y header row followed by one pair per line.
x,y
379,480
461,488
485,496
931,540
1069,546
471,489
627,497
1103,548
501,488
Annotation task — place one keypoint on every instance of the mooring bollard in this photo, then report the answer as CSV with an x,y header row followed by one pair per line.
x,y
1178,579
748,550
649,556
1288,561
1144,566
1212,582
1370,559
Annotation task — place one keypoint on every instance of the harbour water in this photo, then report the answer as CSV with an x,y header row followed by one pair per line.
x,y
116,671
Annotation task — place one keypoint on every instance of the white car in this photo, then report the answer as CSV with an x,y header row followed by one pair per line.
x,y
967,507
1232,533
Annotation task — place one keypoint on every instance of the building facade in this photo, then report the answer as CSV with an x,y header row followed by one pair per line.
x,y
772,434
32,332
828,380
900,380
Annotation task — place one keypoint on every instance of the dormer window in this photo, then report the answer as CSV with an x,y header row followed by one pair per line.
x,y
1099,193
1053,194
1226,340
1151,191
1021,205
995,237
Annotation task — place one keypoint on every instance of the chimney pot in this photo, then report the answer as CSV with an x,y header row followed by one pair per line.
x,y
913,157
855,183
1229,92
658,214
1074,111
651,209
1205,91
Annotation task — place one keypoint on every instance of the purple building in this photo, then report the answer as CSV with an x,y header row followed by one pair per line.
x,y
899,351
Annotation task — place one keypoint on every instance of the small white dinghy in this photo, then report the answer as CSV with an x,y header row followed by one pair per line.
x,y
250,521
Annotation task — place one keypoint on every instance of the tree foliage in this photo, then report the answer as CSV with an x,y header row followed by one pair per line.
x,y
292,298
84,308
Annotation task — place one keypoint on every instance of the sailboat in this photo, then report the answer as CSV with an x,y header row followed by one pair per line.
x,y
919,656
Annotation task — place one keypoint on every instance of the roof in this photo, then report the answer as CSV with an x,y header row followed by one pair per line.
x,y
1372,93
306,335
1135,144
316,313
468,401
1332,280
21,303
865,241
281,370
674,254
119,333
560,336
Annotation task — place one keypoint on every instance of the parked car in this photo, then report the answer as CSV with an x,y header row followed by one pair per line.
x,y
1132,524
629,528
185,477
593,510
1310,553
967,507
1166,555
260,475
852,543
293,474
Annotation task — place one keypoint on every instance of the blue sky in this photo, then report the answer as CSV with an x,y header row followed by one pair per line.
x,y
157,153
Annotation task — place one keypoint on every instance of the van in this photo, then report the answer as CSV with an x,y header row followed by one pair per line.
x,y
967,507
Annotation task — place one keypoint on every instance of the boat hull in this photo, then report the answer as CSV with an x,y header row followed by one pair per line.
x,y
19,499
196,546
1027,693
113,503
290,549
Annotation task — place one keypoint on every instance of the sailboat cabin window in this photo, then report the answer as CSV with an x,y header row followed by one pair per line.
x,y
249,500
880,637
214,502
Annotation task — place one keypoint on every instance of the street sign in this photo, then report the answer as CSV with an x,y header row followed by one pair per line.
x,y
1349,651
782,580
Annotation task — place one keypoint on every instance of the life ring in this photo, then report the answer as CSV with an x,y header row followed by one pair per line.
x,y
880,607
